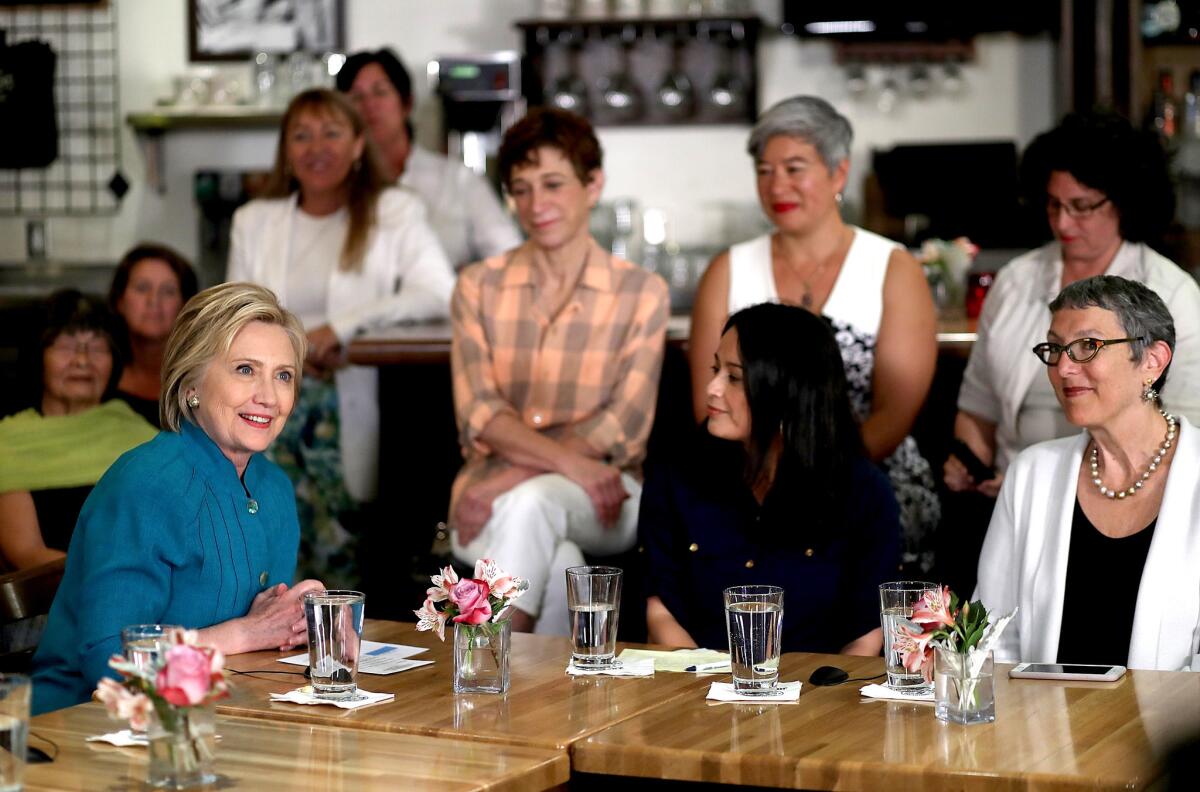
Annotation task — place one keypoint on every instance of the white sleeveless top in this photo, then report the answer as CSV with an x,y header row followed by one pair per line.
x,y
854,310
857,295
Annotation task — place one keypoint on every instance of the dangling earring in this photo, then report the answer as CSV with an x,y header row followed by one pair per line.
x,y
1149,393
839,198
193,401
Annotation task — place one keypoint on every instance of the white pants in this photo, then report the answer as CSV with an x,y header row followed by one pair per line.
x,y
538,529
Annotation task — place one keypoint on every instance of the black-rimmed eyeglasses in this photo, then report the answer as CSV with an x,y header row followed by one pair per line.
x,y
1081,350
1073,209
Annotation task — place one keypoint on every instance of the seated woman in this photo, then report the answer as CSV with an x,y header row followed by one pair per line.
x,y
53,452
194,528
1097,536
345,254
776,490
556,355
1106,193
464,210
149,286
870,288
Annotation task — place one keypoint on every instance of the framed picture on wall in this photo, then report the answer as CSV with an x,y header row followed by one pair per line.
x,y
236,29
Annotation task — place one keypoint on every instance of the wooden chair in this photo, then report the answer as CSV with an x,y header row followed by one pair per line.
x,y
25,598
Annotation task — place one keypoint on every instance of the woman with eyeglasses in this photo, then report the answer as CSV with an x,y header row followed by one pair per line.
x,y
53,452
1107,194
1096,537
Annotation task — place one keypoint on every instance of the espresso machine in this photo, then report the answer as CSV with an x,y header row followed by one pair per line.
x,y
481,98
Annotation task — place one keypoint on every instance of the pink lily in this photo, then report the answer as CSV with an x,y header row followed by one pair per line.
x,y
500,583
430,618
934,608
914,649
442,585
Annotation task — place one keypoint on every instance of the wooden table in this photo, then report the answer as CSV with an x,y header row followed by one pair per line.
x,y
544,707
1047,736
257,754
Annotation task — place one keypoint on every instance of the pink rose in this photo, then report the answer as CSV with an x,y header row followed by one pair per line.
x,y
186,677
471,598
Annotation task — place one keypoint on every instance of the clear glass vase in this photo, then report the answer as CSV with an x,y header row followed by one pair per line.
x,y
481,657
182,744
963,691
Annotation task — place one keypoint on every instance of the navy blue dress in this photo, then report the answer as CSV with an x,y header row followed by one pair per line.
x,y
701,530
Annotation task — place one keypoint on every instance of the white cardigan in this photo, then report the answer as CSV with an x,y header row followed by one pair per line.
x,y
404,276
1024,558
1015,316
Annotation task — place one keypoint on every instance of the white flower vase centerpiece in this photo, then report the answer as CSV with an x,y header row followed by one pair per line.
x,y
951,643
479,607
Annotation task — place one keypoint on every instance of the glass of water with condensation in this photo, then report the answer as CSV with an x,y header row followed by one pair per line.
x,y
143,644
335,623
754,615
896,601
593,602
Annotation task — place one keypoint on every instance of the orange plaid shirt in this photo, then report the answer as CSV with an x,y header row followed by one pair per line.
x,y
592,369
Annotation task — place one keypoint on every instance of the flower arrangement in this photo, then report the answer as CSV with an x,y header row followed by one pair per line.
x,y
940,620
479,609
946,265
170,698
956,638
477,602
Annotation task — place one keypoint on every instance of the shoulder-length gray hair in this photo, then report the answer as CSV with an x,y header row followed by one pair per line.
x,y
809,118
1141,313
205,329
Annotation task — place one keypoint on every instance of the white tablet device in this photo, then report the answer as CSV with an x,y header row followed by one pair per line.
x,y
1073,671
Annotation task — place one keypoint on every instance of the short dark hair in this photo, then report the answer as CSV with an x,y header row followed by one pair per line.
x,y
70,311
548,126
1141,313
1101,150
795,384
391,64
152,250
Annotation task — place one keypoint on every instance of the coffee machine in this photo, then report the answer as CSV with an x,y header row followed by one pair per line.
x,y
481,98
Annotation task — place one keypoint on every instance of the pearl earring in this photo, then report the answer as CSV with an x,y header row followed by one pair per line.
x,y
1149,393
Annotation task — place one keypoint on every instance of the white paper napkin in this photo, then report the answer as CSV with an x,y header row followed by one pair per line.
x,y
623,668
304,695
885,692
122,739
784,692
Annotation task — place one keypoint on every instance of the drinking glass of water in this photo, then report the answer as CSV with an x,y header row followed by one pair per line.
x,y
335,622
754,615
896,601
144,643
14,729
594,602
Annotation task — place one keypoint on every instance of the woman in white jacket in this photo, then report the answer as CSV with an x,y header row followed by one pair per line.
x,y
344,253
1097,537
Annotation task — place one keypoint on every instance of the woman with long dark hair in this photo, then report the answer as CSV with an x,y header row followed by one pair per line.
x,y
778,490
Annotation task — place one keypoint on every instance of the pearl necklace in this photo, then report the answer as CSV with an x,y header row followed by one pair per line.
x,y
1137,485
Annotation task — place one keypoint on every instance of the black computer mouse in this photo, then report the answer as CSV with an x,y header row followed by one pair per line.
x,y
828,675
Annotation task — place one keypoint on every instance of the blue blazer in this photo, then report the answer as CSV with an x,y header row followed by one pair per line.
x,y
166,537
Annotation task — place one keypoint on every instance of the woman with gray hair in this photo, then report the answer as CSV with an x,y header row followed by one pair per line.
x,y
194,528
870,289
1096,537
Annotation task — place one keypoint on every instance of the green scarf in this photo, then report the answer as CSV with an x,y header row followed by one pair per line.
x,y
49,452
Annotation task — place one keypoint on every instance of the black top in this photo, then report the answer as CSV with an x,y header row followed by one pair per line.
x,y
1103,578
57,511
147,408
702,530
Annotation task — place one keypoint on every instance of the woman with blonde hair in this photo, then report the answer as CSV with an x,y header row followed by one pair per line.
x,y
345,254
194,528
